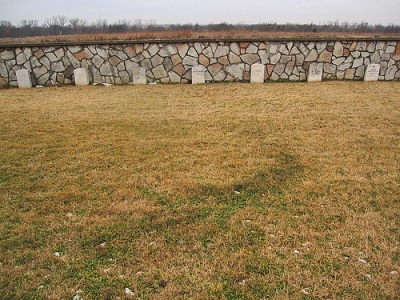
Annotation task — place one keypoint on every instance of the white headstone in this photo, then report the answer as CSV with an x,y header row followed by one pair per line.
x,y
198,75
372,72
257,73
139,76
315,72
81,76
23,78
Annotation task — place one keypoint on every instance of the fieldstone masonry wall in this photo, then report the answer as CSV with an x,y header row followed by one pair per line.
x,y
171,62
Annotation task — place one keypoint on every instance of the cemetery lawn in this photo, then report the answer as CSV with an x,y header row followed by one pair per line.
x,y
217,191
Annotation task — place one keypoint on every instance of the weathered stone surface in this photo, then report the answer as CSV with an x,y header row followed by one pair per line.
x,y
360,72
275,58
114,60
159,72
83,54
204,60
338,49
263,56
390,73
214,69
182,49
312,56
192,52
153,49
21,58
176,59
325,56
167,63
236,70
190,61
289,67
321,46
338,61
221,51
223,60
221,76
235,49
106,70
57,66
252,49
173,77
250,58
279,68
358,62
156,60
180,70
329,68
300,59
198,47
7,55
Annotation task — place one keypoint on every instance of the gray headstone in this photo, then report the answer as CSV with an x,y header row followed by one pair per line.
x,y
23,78
257,73
372,72
81,76
315,72
139,76
198,75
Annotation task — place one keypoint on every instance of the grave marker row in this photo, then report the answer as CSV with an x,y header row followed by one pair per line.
x,y
257,75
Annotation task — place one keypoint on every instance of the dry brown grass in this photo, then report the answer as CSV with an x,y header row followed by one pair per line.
x,y
216,191
189,34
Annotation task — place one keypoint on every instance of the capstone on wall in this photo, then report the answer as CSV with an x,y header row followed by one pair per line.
x,y
171,62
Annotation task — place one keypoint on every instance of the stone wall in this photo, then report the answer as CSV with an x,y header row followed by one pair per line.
x,y
226,60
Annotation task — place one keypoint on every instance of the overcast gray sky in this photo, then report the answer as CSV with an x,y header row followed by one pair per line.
x,y
207,11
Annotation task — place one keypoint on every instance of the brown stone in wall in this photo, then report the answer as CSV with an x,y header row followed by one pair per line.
x,y
325,56
270,68
223,60
130,51
349,74
203,60
39,53
176,59
83,55
246,76
214,69
346,52
179,69
243,46
114,60
396,54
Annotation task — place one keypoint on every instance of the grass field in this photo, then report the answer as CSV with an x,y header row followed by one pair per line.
x,y
219,191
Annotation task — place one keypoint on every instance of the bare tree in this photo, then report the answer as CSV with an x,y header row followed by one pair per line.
x,y
101,25
77,25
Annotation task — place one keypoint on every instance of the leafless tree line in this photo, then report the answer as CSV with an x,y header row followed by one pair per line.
x,y
61,25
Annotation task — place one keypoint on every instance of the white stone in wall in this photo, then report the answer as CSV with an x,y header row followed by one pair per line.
x,y
81,76
372,72
139,75
315,72
257,73
198,75
23,78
